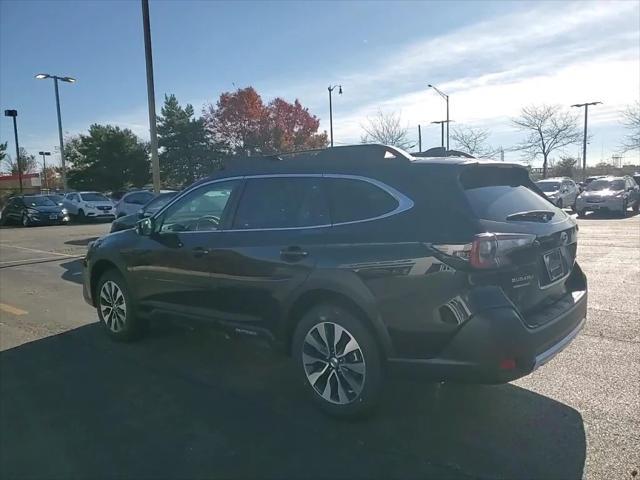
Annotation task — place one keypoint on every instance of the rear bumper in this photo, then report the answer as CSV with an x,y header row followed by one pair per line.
x,y
495,346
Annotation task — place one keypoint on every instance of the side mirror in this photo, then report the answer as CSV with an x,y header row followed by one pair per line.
x,y
145,227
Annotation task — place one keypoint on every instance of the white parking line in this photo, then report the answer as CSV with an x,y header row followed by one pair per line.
x,y
8,262
38,251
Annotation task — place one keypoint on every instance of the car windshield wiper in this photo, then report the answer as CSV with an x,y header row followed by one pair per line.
x,y
532,216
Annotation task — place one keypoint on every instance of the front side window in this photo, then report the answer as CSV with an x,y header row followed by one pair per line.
x,y
351,200
284,202
200,210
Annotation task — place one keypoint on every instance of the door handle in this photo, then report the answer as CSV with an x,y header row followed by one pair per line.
x,y
293,254
200,251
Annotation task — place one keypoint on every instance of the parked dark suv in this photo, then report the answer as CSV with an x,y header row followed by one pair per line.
x,y
357,261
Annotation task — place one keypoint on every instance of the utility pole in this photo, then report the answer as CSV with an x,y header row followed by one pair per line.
x,y
419,138
151,97
584,139
441,123
14,115
44,166
331,88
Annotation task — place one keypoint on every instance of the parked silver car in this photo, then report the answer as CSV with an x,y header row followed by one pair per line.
x,y
613,194
561,191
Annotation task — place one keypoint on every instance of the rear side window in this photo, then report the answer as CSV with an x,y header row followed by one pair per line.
x,y
351,200
286,202
495,193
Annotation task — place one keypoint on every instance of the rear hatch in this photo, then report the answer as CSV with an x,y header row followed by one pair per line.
x,y
535,268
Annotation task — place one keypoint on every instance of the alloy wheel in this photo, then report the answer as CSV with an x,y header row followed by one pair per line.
x,y
113,306
333,363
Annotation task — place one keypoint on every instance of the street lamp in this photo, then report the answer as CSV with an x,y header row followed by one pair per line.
x,y
44,166
43,76
14,115
446,97
331,89
584,139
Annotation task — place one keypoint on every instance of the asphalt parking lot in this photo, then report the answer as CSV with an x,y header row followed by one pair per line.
x,y
189,402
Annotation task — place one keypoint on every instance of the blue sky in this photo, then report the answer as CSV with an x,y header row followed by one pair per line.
x,y
491,57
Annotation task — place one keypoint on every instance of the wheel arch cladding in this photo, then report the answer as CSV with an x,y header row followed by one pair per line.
x,y
311,298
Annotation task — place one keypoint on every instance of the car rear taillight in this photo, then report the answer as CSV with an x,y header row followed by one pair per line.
x,y
488,250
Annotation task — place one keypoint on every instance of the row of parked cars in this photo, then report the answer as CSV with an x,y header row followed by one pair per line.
x,y
605,193
58,209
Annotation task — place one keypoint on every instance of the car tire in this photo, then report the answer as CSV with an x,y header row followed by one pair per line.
x,y
342,383
25,220
582,214
636,207
81,217
116,309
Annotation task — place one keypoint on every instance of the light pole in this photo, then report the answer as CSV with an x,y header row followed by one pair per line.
x,y
331,88
14,115
151,97
584,139
446,97
42,76
44,166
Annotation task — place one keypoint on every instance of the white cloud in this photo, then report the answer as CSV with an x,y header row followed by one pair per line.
x,y
555,54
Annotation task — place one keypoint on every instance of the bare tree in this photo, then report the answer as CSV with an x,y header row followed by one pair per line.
x,y
28,161
548,129
631,120
472,141
386,128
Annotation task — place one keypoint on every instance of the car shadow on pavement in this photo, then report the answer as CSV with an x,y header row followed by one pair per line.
x,y
72,271
191,402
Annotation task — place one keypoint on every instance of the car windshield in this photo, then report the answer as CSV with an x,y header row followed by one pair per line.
x,y
55,198
158,202
94,197
606,185
549,186
38,202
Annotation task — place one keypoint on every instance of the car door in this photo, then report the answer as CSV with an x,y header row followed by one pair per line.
x,y
270,248
71,203
167,266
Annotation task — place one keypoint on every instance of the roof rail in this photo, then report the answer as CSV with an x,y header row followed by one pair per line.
x,y
343,153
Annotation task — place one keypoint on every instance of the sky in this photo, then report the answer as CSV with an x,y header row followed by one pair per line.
x,y
492,58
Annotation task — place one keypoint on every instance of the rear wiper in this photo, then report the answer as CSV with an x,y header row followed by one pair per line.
x,y
532,216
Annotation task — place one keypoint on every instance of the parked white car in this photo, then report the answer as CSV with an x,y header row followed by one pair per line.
x,y
89,205
132,202
561,191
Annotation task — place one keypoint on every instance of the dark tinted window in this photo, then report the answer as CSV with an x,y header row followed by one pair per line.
x,y
495,193
139,198
282,203
94,197
38,201
351,200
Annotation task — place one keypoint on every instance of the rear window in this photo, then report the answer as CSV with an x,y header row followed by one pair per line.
x,y
495,193
351,200
94,197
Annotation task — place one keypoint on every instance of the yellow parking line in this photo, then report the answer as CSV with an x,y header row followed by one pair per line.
x,y
12,310
30,260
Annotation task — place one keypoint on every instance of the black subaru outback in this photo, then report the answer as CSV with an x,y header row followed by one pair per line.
x,y
359,262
